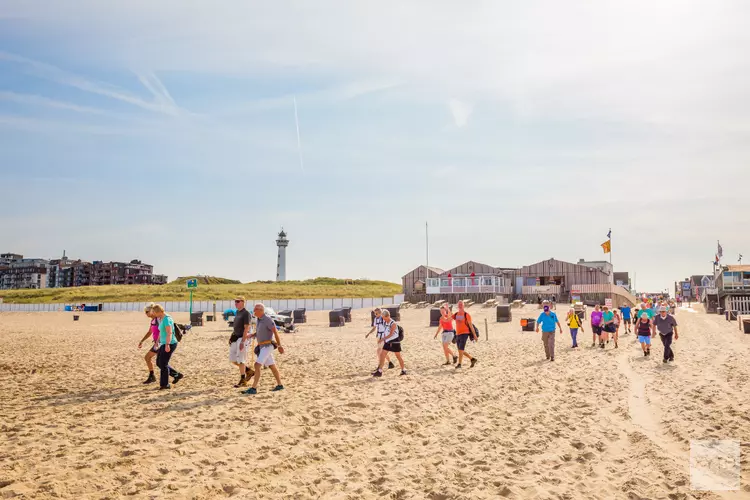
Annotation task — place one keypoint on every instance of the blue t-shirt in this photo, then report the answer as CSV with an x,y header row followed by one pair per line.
x,y
625,312
163,324
547,321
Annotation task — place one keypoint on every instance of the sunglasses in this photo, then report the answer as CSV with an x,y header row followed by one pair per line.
x,y
239,301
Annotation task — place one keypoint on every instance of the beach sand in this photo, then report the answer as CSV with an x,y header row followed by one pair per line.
x,y
77,422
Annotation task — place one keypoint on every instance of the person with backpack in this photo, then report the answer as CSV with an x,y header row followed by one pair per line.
x,y
608,322
167,346
377,326
449,333
465,329
394,334
574,322
153,332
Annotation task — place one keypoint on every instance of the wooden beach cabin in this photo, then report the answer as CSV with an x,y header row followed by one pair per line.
x,y
733,288
471,280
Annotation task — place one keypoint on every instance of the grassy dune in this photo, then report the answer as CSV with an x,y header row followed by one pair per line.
x,y
316,288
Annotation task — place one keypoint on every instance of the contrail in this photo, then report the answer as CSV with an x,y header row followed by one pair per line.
x,y
299,141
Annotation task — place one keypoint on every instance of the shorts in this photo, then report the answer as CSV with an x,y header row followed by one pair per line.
x,y
626,321
448,336
644,339
155,348
461,341
265,356
610,328
235,354
394,346
597,329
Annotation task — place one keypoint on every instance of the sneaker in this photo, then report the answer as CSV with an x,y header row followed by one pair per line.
x,y
377,374
252,390
547,358
551,359
403,372
645,353
151,379
447,363
241,383
177,378
166,387
455,359
615,345
593,344
391,365
458,366
473,362
665,361
278,388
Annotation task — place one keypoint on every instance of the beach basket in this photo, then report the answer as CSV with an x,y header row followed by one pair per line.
x,y
75,317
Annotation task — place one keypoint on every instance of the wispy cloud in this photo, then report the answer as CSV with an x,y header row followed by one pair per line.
x,y
461,112
154,85
52,73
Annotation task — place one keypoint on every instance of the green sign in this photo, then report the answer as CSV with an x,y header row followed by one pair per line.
x,y
193,283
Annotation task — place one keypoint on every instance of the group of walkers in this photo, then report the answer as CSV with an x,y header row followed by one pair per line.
x,y
606,322
454,328
162,330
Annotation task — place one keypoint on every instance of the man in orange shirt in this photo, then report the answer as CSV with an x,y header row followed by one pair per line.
x,y
464,330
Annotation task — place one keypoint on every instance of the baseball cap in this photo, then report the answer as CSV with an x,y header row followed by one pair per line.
x,y
663,309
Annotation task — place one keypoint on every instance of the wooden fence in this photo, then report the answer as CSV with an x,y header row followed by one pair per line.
x,y
741,305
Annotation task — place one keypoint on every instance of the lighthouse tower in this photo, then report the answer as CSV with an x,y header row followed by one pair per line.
x,y
282,243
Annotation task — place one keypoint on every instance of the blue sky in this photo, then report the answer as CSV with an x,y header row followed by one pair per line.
x,y
165,131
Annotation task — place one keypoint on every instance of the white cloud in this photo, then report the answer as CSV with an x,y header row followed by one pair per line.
x,y
461,111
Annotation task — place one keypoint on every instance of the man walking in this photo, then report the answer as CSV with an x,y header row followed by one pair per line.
x,y
265,331
238,342
547,320
626,318
666,325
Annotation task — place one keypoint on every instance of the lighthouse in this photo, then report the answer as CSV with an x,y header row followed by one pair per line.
x,y
282,243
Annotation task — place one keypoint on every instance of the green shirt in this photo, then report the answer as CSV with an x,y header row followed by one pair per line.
x,y
163,324
608,316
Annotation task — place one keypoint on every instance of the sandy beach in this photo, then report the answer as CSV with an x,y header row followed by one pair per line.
x,y
77,422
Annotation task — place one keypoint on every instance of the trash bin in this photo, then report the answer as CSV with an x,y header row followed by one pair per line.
x,y
75,317
746,325
435,315
528,324
209,318
503,313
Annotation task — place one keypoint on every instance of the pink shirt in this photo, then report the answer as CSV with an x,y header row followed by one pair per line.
x,y
155,330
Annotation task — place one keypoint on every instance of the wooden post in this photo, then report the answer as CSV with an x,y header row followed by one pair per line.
x,y
486,330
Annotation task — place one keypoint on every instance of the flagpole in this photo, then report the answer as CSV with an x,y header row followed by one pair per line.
x,y
610,252
427,253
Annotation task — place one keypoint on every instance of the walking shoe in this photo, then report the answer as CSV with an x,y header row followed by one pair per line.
x,y
665,361
163,388
547,358
278,388
551,359
458,366
593,344
473,362
615,345
252,390
403,372
177,378
447,363
391,365
241,383
601,345
645,353
377,374
455,359
151,379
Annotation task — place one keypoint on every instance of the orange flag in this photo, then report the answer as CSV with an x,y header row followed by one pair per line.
x,y
607,246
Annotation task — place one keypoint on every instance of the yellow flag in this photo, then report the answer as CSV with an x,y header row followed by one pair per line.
x,y
607,246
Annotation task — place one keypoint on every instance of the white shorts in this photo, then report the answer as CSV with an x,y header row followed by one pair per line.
x,y
448,337
265,357
235,354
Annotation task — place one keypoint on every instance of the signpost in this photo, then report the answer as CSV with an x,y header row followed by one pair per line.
x,y
608,302
192,284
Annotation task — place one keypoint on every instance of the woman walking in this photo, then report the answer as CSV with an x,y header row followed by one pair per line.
x,y
596,325
608,320
617,326
574,322
392,344
153,332
449,333
167,346
464,332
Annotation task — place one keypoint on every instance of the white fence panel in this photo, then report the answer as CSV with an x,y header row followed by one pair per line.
x,y
398,299
337,304
367,303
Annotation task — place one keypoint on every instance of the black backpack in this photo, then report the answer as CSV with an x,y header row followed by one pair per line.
x,y
400,333
180,331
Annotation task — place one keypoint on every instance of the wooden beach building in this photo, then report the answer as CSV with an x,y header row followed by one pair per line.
x,y
732,285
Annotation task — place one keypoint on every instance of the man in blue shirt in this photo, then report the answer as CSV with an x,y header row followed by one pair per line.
x,y
547,321
626,317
